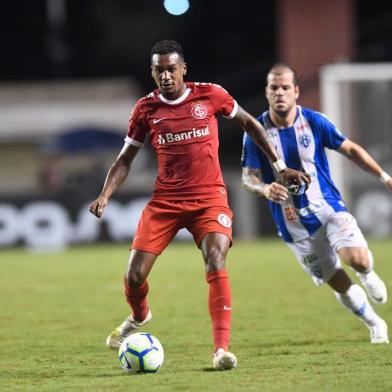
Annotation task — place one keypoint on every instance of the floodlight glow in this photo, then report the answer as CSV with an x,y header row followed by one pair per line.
x,y
176,7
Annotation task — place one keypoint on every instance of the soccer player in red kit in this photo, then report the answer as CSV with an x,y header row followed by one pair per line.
x,y
180,120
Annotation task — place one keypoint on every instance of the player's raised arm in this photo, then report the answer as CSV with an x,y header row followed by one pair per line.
x,y
362,158
255,130
116,176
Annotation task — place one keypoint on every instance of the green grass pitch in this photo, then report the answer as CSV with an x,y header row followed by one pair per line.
x,y
57,309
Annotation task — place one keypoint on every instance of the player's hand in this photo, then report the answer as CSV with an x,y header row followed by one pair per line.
x,y
388,184
276,192
295,177
97,206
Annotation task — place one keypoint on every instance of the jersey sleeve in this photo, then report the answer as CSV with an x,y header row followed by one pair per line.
x,y
250,153
225,105
137,129
330,135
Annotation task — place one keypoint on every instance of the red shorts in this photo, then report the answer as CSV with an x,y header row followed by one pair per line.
x,y
161,220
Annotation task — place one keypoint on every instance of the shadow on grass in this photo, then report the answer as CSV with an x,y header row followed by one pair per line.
x,y
307,343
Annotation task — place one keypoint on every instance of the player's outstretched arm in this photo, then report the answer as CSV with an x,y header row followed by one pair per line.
x,y
362,158
255,130
251,181
116,176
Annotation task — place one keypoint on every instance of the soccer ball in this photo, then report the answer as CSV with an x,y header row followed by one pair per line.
x,y
141,353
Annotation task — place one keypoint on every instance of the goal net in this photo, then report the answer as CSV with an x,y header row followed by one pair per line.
x,y
358,99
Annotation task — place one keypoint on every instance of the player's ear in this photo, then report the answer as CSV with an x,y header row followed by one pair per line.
x,y
296,91
184,69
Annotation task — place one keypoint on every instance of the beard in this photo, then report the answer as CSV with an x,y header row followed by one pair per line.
x,y
282,111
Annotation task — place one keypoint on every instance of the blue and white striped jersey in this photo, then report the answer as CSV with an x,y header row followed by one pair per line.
x,y
302,148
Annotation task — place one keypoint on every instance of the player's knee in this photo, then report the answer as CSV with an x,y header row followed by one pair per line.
x,y
135,278
358,259
215,259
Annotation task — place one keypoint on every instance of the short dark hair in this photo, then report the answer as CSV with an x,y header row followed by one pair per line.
x,y
274,70
167,46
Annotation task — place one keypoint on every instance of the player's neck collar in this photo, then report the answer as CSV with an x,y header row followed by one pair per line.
x,y
176,101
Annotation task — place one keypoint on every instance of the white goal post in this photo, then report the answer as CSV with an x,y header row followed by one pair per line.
x,y
357,98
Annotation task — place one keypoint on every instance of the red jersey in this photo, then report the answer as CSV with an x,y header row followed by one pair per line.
x,y
184,136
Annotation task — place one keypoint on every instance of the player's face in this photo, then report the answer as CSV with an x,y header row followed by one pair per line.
x,y
281,92
168,71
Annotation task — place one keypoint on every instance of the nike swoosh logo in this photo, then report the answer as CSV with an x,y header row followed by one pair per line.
x,y
158,120
226,307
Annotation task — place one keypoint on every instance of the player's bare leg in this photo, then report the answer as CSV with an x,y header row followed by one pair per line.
x,y
136,290
214,248
353,297
361,260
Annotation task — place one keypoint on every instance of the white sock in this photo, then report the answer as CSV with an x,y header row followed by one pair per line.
x,y
355,299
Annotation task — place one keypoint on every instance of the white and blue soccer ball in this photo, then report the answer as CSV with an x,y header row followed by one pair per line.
x,y
141,353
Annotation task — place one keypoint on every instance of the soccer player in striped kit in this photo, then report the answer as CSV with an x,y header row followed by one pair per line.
x,y
315,223
180,120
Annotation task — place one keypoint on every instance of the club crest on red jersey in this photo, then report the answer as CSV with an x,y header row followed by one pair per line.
x,y
199,111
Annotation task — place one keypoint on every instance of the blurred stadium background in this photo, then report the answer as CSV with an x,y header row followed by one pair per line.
x,y
71,71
